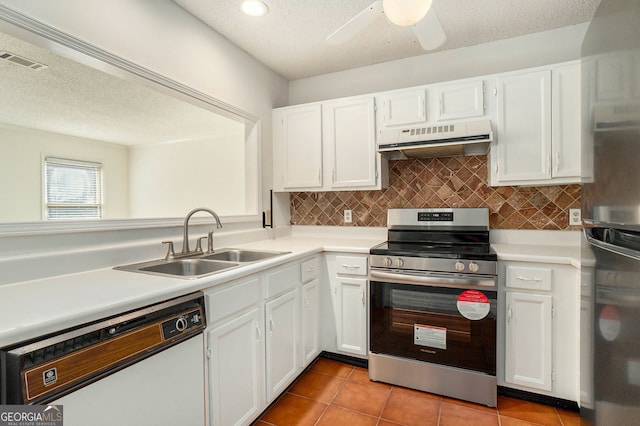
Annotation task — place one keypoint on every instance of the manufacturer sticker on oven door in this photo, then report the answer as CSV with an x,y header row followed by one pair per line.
x,y
428,335
473,305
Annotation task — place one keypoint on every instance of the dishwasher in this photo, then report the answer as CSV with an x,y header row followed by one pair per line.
x,y
143,367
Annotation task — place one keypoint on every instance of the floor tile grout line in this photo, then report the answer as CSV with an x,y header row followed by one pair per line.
x,y
384,405
344,382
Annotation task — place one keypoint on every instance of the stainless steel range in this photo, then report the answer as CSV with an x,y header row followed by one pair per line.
x,y
433,304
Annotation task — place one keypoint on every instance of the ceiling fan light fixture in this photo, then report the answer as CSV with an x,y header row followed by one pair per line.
x,y
254,8
405,12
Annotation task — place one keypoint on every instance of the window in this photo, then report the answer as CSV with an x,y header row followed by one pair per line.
x,y
73,189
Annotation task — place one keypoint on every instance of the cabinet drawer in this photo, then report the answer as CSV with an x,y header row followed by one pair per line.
x,y
531,278
235,298
309,269
281,280
351,265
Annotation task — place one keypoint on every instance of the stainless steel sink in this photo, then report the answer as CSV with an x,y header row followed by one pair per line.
x,y
242,256
189,267
201,265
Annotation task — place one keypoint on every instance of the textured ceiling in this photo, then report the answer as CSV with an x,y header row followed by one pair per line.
x,y
291,38
77,100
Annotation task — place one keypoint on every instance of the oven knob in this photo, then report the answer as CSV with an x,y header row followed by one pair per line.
x,y
181,324
473,267
459,266
399,262
387,262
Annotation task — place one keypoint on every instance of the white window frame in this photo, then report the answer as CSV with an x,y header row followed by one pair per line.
x,y
93,166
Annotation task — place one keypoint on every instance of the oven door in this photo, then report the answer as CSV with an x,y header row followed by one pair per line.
x,y
439,318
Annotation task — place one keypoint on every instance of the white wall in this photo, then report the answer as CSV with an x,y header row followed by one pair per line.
x,y
531,50
21,165
171,179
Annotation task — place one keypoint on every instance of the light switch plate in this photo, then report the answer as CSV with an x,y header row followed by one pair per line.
x,y
575,217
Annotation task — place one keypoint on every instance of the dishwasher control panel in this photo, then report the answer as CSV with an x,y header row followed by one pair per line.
x,y
182,323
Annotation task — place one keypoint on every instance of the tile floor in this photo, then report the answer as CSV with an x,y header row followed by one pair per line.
x,y
333,393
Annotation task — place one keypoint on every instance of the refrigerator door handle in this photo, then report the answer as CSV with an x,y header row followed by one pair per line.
x,y
623,251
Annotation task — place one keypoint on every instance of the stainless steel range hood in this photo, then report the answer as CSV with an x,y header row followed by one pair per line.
x,y
445,140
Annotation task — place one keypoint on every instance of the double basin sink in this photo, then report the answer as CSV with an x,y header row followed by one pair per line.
x,y
203,264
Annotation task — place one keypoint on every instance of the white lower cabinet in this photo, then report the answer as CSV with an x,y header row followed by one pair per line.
x,y
528,340
539,328
352,318
262,332
236,370
235,352
348,287
281,342
310,321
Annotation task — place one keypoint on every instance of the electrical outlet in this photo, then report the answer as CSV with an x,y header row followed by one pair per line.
x,y
575,217
347,216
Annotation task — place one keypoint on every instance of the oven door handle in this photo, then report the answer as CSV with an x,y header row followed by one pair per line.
x,y
436,281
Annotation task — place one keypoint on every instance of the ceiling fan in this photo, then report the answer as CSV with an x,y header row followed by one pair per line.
x,y
417,13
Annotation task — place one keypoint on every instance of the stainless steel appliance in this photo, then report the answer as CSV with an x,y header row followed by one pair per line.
x,y
610,321
433,304
122,369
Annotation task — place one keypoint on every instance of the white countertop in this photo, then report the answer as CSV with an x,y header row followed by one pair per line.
x,y
562,255
33,308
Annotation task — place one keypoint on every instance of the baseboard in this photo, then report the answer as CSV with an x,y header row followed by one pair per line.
x,y
358,362
551,401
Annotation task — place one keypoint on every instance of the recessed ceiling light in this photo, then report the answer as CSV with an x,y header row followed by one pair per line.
x,y
254,8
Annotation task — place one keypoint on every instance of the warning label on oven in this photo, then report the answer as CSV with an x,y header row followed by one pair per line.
x,y
428,335
473,305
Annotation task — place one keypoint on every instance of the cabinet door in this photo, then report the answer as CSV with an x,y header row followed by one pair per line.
x,y
310,321
352,315
528,340
523,128
403,108
236,370
460,100
298,147
350,142
281,342
566,122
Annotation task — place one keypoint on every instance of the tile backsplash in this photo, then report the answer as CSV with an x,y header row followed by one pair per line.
x,y
442,182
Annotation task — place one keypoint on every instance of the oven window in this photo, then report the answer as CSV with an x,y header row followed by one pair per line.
x,y
427,323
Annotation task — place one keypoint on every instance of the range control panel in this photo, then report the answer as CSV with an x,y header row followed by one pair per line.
x,y
435,216
182,323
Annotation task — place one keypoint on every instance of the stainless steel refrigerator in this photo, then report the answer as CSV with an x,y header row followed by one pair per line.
x,y
610,300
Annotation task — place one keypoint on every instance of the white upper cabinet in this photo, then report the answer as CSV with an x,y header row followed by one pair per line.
x,y
297,144
403,108
566,122
539,127
523,148
350,142
463,99
327,146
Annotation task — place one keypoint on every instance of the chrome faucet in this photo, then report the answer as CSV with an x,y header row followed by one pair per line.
x,y
185,235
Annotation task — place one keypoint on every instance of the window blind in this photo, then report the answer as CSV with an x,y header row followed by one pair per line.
x,y
73,189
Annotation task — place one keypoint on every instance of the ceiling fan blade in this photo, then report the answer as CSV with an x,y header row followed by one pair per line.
x,y
429,32
356,24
